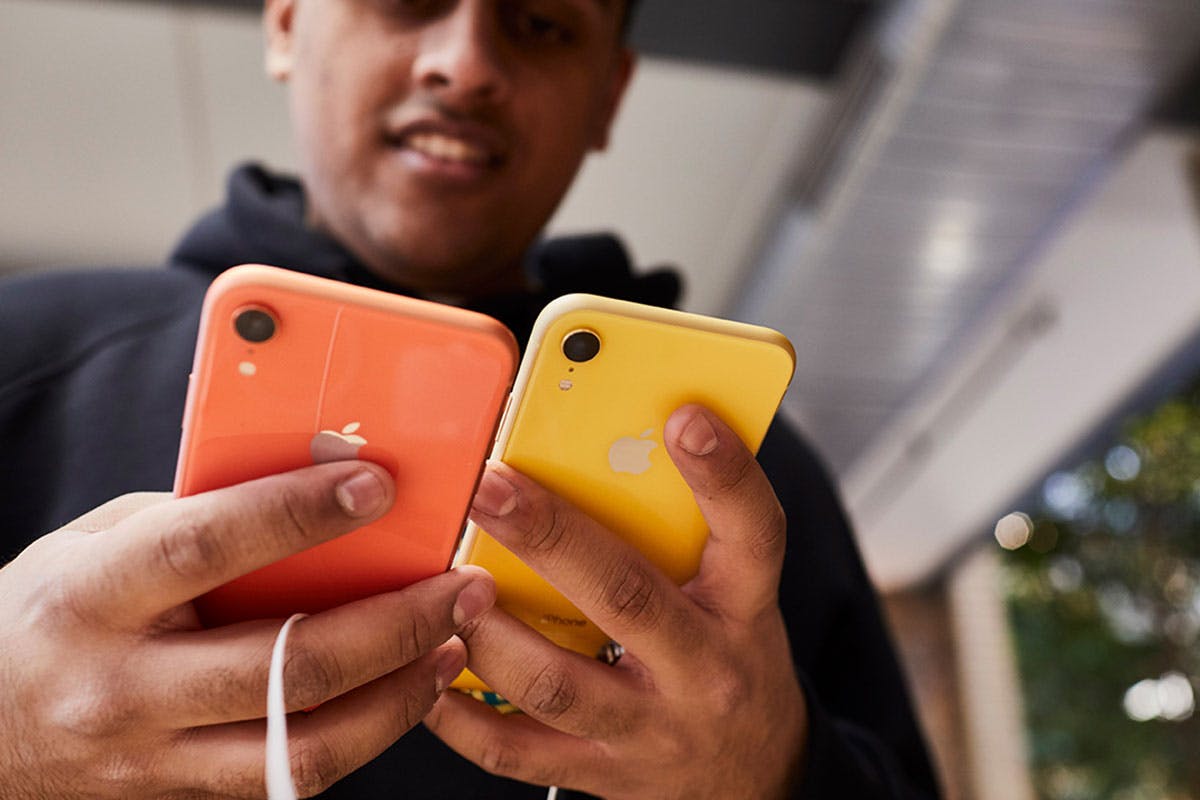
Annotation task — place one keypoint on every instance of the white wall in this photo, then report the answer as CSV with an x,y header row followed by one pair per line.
x,y
117,121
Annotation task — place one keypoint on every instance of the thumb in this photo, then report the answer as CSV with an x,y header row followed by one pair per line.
x,y
740,568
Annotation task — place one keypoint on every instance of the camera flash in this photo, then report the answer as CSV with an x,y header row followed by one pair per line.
x,y
247,368
565,385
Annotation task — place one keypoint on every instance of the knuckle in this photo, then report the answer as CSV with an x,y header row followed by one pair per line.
x,y
294,506
314,765
94,706
548,535
416,637
678,749
552,693
414,707
468,630
52,601
309,678
771,529
501,757
190,550
728,692
630,596
736,474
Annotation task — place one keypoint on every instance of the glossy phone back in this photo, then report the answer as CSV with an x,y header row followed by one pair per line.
x,y
592,432
349,373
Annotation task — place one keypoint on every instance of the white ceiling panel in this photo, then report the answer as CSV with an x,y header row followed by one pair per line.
x,y
991,119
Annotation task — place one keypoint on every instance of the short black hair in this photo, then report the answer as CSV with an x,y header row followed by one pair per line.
x,y
627,18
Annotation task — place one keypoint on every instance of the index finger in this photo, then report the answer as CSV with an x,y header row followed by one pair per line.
x,y
605,577
743,558
172,552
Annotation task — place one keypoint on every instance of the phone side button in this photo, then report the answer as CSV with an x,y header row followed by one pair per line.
x,y
188,403
503,418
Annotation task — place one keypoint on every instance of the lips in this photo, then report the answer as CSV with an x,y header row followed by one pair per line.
x,y
452,145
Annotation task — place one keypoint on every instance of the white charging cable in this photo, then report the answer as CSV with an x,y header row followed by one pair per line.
x,y
278,769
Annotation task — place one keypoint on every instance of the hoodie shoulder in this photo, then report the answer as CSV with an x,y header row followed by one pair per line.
x,y
50,321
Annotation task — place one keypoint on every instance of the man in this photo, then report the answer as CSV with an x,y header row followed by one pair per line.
x,y
436,138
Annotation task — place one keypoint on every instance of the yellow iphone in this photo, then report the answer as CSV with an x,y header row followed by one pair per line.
x,y
598,381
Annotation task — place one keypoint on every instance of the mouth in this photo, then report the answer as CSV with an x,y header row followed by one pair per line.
x,y
448,149
453,147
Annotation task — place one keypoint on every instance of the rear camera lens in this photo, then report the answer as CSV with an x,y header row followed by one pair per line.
x,y
581,346
254,325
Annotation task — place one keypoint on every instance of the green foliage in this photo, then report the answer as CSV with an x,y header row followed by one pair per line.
x,y
1106,593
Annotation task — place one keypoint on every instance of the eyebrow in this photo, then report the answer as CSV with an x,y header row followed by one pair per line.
x,y
605,6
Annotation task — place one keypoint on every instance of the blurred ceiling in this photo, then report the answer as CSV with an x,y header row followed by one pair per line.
x,y
963,134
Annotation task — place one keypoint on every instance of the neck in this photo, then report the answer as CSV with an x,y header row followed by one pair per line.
x,y
448,285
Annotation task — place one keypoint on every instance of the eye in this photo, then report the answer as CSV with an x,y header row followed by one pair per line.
x,y
538,27
545,29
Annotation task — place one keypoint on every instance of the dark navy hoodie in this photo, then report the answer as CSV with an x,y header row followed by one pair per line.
x,y
93,373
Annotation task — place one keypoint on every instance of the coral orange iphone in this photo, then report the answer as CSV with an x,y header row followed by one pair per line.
x,y
292,370
599,380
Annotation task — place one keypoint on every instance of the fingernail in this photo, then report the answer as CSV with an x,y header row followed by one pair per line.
x,y
495,496
449,665
361,494
698,438
476,598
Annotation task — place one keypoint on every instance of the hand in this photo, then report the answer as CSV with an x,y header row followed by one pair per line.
x,y
705,702
112,689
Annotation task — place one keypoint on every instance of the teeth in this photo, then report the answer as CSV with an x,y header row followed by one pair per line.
x,y
445,148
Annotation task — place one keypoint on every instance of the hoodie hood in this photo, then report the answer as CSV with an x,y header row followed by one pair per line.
x,y
262,222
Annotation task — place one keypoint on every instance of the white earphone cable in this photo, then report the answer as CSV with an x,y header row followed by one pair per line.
x,y
278,766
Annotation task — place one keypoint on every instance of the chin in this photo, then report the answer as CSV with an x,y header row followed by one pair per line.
x,y
448,270
439,248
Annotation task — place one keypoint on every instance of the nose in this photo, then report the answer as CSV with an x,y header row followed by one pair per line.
x,y
460,56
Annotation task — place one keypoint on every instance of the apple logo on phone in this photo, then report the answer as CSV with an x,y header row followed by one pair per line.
x,y
631,455
333,446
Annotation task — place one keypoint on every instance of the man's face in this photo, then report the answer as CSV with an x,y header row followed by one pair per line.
x,y
436,137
